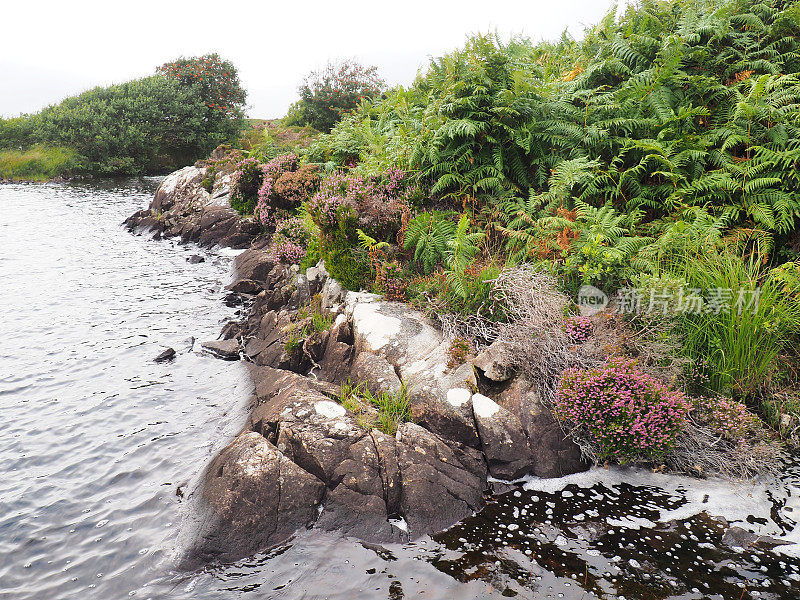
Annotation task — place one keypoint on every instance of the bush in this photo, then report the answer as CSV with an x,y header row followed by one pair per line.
x,y
628,414
327,95
246,182
289,242
148,125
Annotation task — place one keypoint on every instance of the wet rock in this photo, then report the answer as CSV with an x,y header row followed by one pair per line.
x,y
165,356
503,440
494,362
245,286
375,373
736,537
254,497
195,259
440,485
224,349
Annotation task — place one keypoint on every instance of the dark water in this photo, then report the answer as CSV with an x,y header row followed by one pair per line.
x,y
97,442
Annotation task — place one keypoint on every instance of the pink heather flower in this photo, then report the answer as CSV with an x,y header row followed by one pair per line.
x,y
627,412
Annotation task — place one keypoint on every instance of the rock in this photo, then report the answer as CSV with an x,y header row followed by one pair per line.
x,y
418,352
195,259
335,364
375,373
224,349
254,498
493,362
503,440
440,485
245,286
165,356
736,537
554,453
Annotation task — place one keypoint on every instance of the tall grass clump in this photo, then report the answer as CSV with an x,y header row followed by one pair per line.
x,y
738,345
38,163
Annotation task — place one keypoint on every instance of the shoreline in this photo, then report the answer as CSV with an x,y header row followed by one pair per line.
x,y
437,467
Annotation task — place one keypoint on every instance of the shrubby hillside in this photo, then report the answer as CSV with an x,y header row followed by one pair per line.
x,y
655,159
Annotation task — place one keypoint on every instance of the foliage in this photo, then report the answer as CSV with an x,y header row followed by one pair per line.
x,y
245,184
457,353
740,345
579,329
428,234
289,242
384,411
628,413
148,125
37,163
327,95
216,81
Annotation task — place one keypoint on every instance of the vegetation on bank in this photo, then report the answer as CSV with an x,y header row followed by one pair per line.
x,y
150,125
38,163
656,160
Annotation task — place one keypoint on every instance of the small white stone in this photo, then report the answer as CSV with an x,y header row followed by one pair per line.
x,y
329,409
484,407
458,396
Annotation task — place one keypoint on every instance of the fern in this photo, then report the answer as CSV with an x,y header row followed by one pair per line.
x,y
429,235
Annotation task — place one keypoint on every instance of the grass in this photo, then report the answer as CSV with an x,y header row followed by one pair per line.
x,y
739,348
384,411
38,163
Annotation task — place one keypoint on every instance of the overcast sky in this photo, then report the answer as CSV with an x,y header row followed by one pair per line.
x,y
51,50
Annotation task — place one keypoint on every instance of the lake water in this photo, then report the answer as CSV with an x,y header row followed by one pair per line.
x,y
99,444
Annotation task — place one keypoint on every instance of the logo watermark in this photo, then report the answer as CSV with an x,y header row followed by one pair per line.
x,y
665,301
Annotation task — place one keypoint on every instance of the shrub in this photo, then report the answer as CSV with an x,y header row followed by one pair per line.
x,y
627,413
458,352
270,207
245,184
294,187
328,95
579,329
289,242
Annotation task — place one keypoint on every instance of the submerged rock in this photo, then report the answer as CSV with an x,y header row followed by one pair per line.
x,y
165,356
224,349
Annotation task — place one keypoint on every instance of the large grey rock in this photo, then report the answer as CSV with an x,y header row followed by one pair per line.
x,y
224,349
253,264
375,373
418,352
503,440
494,362
554,453
440,484
253,497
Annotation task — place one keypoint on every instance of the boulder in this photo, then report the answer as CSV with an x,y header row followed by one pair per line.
x,y
375,373
554,453
245,286
195,259
253,498
440,485
503,440
253,264
224,349
418,352
335,364
494,360
165,356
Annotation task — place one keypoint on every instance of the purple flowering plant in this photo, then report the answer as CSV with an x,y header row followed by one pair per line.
x,y
628,413
579,328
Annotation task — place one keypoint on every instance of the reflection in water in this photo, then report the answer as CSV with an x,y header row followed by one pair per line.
x,y
98,445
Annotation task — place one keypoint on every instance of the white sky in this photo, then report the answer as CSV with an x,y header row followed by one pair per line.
x,y
50,50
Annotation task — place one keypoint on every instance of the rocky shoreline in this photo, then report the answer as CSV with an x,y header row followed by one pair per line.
x,y
303,459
